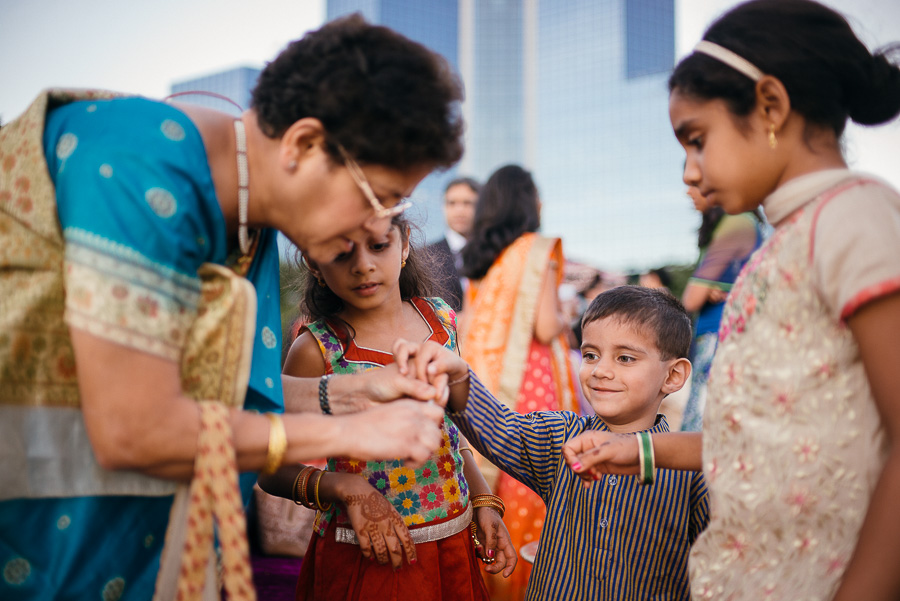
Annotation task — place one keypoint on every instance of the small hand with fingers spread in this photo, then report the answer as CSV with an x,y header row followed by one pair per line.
x,y
593,454
382,535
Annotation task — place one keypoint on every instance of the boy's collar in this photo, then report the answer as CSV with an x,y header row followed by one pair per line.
x,y
660,425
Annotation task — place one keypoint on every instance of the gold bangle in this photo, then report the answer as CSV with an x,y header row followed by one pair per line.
x,y
277,443
492,501
461,449
300,491
294,488
319,505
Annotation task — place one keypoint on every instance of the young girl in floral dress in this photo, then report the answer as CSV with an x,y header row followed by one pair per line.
x,y
372,513
800,433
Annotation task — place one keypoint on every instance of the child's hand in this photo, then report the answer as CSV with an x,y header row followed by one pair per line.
x,y
429,362
593,453
494,546
381,532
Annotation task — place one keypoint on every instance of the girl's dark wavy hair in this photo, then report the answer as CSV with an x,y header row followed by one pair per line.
x,y
319,302
828,72
507,207
386,99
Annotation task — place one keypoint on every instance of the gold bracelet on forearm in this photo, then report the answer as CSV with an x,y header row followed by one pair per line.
x,y
492,501
299,494
277,444
319,506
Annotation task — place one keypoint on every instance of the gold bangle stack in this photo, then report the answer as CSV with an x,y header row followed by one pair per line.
x,y
300,491
277,443
492,501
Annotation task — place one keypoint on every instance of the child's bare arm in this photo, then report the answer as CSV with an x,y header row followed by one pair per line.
x,y
594,453
380,530
496,550
874,570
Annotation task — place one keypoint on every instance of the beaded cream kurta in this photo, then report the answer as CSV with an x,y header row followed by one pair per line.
x,y
793,444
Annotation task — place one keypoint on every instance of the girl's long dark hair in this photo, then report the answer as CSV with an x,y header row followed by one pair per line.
x,y
319,302
507,208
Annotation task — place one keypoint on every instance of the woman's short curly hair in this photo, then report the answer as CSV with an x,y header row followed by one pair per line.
x,y
387,100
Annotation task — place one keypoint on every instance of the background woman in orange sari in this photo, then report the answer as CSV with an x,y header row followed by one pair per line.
x,y
511,333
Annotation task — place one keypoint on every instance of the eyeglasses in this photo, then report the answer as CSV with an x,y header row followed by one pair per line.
x,y
381,212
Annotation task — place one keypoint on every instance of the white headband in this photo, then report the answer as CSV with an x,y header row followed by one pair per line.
x,y
729,58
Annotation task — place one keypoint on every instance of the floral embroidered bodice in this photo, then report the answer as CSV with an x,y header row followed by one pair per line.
x,y
435,492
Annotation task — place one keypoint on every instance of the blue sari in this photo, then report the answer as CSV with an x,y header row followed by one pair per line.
x,y
139,215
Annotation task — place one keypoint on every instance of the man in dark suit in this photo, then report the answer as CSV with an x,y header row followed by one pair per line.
x,y
460,196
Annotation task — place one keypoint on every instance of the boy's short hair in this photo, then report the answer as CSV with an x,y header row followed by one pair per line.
x,y
653,308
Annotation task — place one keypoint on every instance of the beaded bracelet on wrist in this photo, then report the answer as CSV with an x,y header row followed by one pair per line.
x,y
323,394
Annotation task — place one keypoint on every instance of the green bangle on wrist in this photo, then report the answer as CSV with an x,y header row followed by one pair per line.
x,y
646,457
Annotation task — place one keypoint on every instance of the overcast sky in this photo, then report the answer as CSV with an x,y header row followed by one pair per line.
x,y
143,46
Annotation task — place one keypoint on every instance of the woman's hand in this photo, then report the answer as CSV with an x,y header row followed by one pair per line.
x,y
407,430
382,535
393,382
593,453
495,548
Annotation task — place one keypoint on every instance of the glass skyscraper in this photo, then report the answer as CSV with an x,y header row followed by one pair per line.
x,y
575,91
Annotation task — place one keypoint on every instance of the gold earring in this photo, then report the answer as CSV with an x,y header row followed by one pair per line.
x,y
402,263
320,280
773,141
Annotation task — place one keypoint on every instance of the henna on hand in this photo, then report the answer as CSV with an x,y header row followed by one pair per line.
x,y
373,506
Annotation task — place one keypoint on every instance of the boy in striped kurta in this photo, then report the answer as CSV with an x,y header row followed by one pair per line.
x,y
617,539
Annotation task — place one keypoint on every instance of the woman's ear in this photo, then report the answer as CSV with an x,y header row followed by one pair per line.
x,y
678,375
299,140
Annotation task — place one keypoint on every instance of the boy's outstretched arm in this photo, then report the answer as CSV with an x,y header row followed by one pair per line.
x,y
595,453
496,550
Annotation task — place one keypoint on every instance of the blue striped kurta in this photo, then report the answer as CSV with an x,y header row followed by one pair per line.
x,y
614,540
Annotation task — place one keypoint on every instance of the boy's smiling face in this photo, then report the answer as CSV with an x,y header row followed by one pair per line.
x,y
623,375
